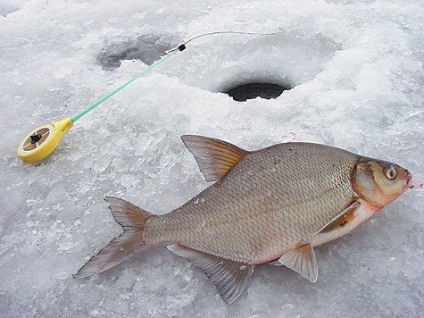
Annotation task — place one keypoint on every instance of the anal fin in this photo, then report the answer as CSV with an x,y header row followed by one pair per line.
x,y
302,260
230,278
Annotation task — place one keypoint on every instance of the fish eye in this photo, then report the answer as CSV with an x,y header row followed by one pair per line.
x,y
390,172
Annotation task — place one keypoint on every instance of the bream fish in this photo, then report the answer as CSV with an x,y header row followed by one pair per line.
x,y
267,206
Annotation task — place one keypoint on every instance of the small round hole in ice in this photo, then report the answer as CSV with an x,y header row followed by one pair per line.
x,y
241,93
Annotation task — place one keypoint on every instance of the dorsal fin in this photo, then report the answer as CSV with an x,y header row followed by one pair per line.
x,y
214,157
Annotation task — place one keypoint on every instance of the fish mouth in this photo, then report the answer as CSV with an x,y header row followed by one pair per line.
x,y
408,179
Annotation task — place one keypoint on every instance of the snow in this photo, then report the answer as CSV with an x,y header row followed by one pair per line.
x,y
356,69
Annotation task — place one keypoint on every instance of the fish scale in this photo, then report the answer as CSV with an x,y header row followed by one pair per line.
x,y
301,202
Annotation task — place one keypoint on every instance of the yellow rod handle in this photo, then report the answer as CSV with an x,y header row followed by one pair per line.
x,y
42,141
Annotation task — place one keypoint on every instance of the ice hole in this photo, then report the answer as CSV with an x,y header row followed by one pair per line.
x,y
146,48
251,66
243,92
244,67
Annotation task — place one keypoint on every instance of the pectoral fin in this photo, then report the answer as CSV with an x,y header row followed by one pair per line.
x,y
302,260
352,216
214,157
343,219
230,278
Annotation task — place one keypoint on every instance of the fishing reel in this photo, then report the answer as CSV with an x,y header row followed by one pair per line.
x,y
42,141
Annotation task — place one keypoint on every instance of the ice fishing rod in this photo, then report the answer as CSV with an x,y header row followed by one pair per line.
x,y
43,140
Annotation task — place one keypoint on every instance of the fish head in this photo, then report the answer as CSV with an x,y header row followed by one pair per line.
x,y
379,182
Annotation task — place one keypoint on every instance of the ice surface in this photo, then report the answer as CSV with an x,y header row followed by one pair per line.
x,y
356,69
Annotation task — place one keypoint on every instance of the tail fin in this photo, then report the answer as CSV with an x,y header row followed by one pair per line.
x,y
132,219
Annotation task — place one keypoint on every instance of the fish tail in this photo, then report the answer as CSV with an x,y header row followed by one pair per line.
x,y
132,220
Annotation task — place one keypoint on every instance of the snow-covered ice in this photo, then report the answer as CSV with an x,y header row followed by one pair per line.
x,y
356,68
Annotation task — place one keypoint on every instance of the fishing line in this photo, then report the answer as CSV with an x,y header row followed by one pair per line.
x,y
43,140
217,33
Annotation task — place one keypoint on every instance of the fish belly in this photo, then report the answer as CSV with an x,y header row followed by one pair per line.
x,y
272,200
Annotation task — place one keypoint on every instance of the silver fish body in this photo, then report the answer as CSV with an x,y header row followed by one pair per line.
x,y
271,205
264,206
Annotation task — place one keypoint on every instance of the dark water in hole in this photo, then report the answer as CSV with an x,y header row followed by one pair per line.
x,y
249,91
